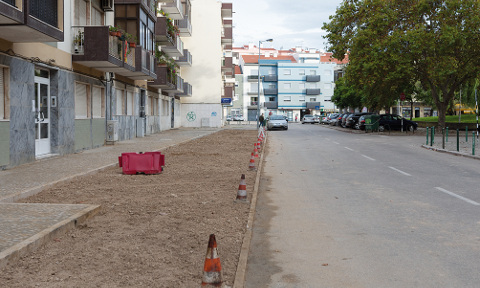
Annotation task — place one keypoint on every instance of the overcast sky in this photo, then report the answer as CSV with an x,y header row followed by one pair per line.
x,y
289,23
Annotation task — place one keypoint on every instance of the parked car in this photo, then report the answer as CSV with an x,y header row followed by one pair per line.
x,y
352,120
308,118
229,118
334,121
394,122
238,118
316,118
277,122
343,121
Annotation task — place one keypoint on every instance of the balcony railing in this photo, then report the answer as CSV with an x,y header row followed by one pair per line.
x,y
313,91
185,60
270,78
94,47
174,9
270,91
165,78
252,78
187,90
176,50
178,86
145,64
271,105
313,78
185,27
45,11
162,35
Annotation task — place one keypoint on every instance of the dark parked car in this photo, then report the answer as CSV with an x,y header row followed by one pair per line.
x,y
394,122
343,122
338,120
352,120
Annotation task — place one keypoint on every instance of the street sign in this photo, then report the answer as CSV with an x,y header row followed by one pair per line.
x,y
226,100
317,107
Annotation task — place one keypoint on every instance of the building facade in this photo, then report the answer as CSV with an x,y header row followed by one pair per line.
x,y
82,74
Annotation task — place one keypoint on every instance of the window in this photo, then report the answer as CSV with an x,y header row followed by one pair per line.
x,y
120,102
287,85
287,72
313,72
98,102
272,86
271,99
301,72
82,104
287,98
83,18
130,103
313,99
4,96
301,98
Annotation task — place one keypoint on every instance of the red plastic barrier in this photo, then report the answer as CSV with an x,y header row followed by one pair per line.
x,y
147,163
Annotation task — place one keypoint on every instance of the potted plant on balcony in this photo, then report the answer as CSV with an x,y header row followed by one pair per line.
x,y
78,42
114,31
132,40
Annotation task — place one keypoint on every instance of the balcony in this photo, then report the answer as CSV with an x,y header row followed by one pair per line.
x,y
227,65
176,50
227,36
187,90
185,24
94,47
178,86
271,105
227,10
313,78
313,91
270,78
185,60
145,64
162,35
270,91
228,92
313,105
165,78
252,78
28,21
174,9
148,5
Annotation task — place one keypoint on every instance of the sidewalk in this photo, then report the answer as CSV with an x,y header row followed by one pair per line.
x,y
465,146
26,226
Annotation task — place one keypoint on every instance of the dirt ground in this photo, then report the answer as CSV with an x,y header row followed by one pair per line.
x,y
153,230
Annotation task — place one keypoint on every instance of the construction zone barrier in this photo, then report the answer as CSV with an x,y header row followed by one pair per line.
x,y
242,190
255,151
147,163
212,270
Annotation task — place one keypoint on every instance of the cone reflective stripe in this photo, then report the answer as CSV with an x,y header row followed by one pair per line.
x,y
212,270
251,166
259,144
242,189
255,151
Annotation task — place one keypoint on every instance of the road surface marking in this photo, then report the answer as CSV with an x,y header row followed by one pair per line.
x,y
369,158
399,171
349,148
335,142
457,196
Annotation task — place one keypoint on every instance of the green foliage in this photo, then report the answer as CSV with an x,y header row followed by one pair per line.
x,y
345,95
395,44
465,118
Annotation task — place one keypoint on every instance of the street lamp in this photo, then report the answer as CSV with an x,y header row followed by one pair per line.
x,y
258,98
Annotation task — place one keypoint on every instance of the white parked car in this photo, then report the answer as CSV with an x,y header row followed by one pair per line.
x,y
277,122
308,118
238,118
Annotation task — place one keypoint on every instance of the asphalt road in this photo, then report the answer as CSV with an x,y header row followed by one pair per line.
x,y
337,209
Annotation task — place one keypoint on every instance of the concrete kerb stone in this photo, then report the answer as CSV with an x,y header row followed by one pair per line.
x,y
240,274
456,153
15,252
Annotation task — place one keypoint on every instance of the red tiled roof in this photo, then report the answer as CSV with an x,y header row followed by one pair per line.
x,y
252,59
238,71
327,57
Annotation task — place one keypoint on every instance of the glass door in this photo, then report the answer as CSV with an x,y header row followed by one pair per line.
x,y
41,103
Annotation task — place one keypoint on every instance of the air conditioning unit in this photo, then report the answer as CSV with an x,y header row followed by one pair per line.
x,y
112,131
107,5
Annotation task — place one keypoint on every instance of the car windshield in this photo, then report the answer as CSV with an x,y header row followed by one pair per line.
x,y
307,116
277,117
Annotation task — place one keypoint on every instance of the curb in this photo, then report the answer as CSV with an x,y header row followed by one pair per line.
x,y
461,154
29,245
240,274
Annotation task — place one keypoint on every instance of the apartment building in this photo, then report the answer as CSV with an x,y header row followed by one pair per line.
x,y
289,85
78,74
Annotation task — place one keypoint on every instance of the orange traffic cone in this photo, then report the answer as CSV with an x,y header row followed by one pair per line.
x,y
212,270
255,151
259,144
251,166
242,190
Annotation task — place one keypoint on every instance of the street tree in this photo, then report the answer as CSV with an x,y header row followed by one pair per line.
x,y
392,44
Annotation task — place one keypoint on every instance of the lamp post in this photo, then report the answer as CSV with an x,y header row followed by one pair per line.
x,y
258,97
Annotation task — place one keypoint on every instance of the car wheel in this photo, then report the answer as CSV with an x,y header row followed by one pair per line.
x,y
357,126
381,128
286,128
410,128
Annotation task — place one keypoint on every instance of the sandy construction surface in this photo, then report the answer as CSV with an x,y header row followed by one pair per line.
x,y
152,230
